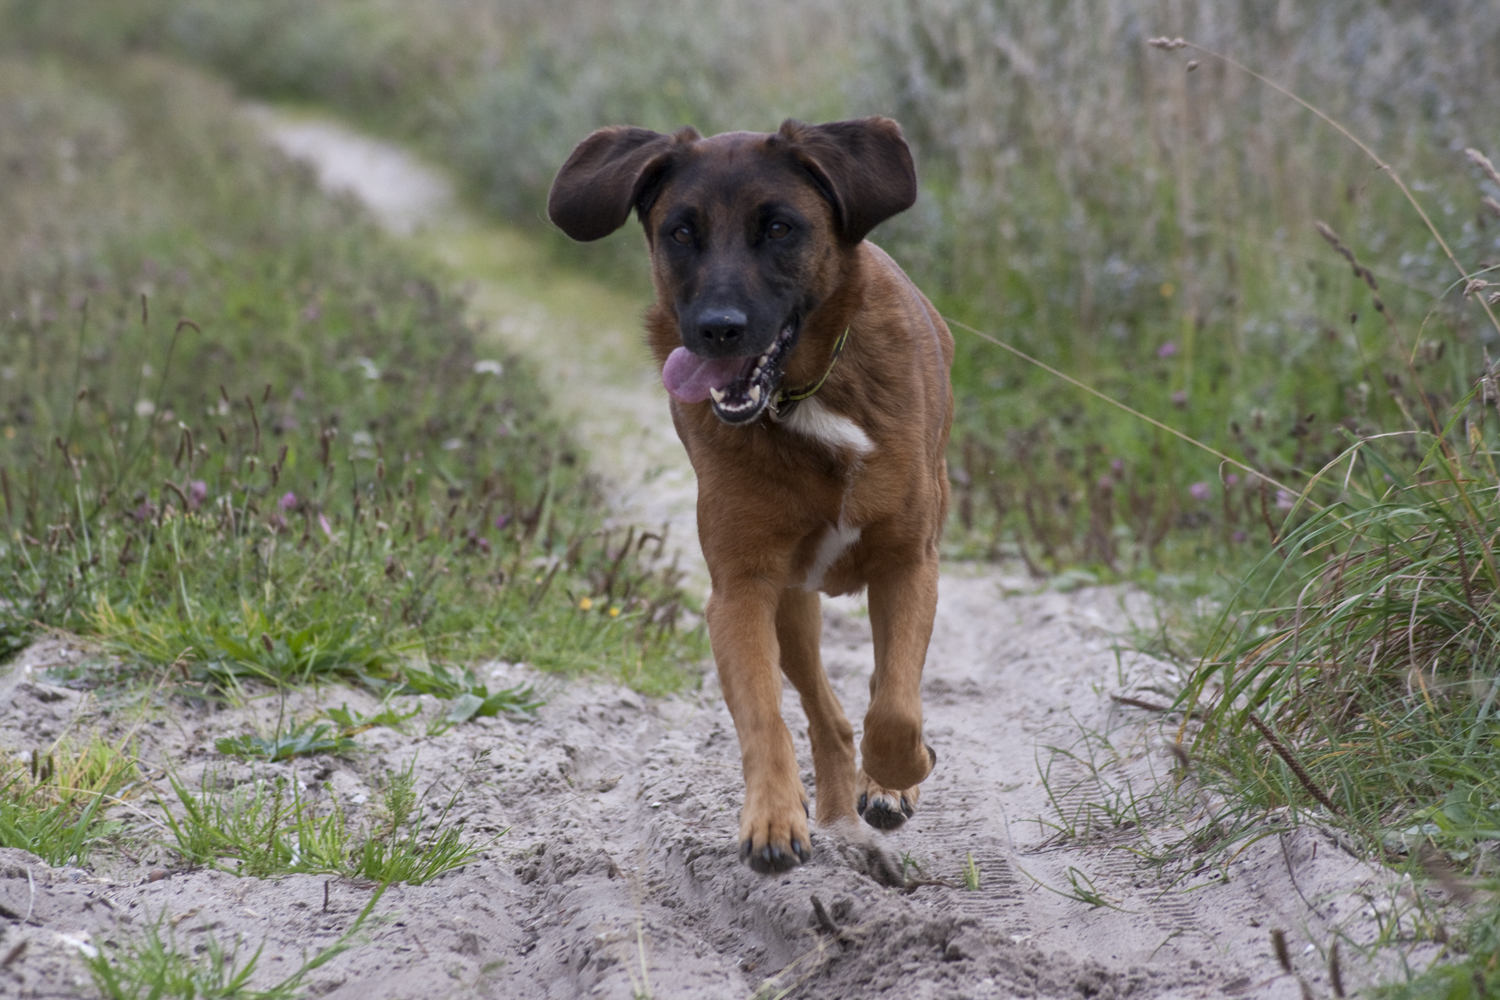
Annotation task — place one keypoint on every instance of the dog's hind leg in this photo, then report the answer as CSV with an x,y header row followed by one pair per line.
x,y
742,630
894,758
799,627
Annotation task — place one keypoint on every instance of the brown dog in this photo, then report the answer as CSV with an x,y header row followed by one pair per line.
x,y
810,387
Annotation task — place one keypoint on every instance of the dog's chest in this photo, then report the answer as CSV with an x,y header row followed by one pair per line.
x,y
819,426
816,422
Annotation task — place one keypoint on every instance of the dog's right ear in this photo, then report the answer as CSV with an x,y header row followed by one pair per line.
x,y
612,171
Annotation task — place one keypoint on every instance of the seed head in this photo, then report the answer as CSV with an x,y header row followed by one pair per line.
x,y
1483,163
1360,271
1166,44
1278,942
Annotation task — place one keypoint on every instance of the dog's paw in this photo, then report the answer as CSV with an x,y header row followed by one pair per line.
x,y
886,808
774,838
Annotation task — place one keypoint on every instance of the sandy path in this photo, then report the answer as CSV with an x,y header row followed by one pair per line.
x,y
618,876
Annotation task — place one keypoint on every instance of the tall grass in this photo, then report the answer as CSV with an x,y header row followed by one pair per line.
x,y
243,436
1356,674
1144,227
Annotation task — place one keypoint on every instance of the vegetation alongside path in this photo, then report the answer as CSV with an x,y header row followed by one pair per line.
x,y
246,436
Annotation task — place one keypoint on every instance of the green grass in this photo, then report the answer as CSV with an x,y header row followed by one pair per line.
x,y
150,966
266,827
256,442
55,804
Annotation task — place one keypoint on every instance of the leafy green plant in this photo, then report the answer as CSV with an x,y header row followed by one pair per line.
x,y
470,698
352,722
300,740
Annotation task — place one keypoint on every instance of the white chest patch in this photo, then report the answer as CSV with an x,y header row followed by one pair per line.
x,y
812,419
834,543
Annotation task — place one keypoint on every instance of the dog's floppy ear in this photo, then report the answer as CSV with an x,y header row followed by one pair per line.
x,y
863,167
612,171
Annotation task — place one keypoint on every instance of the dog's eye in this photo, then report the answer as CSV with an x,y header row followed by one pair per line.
x,y
683,234
778,230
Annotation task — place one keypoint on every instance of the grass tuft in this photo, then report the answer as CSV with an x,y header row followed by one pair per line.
x,y
269,826
54,802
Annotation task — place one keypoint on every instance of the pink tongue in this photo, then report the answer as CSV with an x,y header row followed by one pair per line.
x,y
689,377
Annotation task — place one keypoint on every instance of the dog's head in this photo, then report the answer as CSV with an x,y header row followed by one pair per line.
x,y
748,232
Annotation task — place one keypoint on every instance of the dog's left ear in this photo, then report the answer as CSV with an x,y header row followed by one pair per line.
x,y
862,166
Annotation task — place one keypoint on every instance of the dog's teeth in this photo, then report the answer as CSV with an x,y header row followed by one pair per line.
x,y
755,374
717,394
755,394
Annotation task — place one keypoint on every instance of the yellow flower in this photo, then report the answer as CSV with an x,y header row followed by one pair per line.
x,y
614,612
585,604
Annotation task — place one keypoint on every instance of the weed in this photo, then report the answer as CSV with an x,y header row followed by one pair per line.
x,y
470,698
299,740
267,827
352,722
971,873
150,966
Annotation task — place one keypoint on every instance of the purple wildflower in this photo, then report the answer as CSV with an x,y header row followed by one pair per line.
x,y
502,521
288,500
323,523
1284,500
1166,350
1237,538
1200,491
1232,478
1179,399
1118,465
197,493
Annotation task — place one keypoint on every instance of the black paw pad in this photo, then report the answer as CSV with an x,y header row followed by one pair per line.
x,y
882,815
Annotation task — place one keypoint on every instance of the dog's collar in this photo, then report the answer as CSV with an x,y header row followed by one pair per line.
x,y
787,399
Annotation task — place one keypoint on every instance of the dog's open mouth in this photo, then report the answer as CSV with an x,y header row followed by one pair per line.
x,y
739,388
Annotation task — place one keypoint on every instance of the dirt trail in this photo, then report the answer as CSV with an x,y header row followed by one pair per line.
x,y
618,877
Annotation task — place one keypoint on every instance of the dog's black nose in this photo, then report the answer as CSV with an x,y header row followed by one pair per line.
x,y
721,326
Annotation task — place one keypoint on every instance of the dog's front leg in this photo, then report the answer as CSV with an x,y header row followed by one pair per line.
x,y
895,759
742,630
